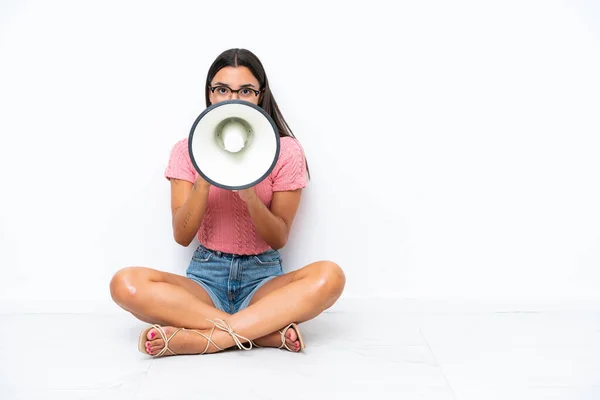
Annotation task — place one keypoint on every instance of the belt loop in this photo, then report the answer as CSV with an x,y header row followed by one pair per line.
x,y
218,253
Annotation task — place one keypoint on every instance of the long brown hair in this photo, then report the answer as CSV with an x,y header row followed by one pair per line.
x,y
245,58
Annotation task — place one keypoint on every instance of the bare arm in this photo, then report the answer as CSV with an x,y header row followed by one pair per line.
x,y
188,205
273,225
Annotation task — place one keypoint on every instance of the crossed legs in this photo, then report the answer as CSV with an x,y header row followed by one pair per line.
x,y
174,301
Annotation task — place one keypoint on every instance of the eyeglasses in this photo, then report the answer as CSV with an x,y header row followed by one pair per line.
x,y
225,92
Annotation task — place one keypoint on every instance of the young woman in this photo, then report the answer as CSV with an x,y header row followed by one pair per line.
x,y
235,292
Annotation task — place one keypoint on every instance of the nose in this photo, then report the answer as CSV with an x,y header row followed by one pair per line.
x,y
235,94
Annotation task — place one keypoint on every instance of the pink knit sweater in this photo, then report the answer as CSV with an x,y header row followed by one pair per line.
x,y
227,225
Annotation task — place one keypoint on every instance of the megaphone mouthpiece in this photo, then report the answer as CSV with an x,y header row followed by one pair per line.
x,y
233,135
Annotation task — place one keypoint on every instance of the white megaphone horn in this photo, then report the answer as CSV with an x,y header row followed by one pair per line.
x,y
234,144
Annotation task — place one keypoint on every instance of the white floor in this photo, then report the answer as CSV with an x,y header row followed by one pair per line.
x,y
359,349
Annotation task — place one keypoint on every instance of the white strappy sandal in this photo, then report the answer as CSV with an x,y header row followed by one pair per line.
x,y
219,323
300,338
284,344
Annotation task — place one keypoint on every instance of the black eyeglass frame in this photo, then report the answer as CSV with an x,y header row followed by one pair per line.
x,y
256,92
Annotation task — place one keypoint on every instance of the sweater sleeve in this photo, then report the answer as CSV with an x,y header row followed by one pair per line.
x,y
290,171
180,165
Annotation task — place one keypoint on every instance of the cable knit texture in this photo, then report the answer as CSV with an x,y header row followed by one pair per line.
x,y
227,225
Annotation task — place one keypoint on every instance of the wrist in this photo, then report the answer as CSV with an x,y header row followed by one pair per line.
x,y
252,198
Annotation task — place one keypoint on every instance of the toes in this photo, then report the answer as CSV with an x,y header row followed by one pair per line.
x,y
293,345
153,346
152,334
148,348
291,339
156,349
291,335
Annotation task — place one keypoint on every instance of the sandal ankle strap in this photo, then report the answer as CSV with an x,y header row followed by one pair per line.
x,y
224,326
208,338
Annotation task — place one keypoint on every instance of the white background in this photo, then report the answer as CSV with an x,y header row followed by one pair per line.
x,y
453,145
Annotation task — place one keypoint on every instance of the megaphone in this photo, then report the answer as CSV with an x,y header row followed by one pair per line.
x,y
234,144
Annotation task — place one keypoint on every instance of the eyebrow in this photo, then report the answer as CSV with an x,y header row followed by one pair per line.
x,y
224,84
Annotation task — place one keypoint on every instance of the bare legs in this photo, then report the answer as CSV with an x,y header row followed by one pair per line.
x,y
163,298
175,301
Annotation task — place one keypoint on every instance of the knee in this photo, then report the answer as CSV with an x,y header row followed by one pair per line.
x,y
124,285
330,279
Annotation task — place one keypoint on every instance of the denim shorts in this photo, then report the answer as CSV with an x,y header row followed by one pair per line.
x,y
230,279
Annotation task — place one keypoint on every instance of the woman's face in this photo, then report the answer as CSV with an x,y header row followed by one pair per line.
x,y
234,78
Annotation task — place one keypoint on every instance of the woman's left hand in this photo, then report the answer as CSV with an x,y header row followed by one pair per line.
x,y
247,194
